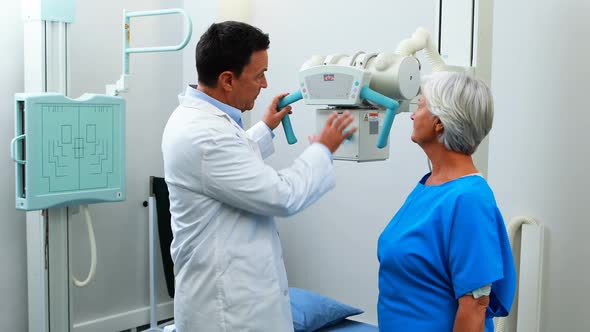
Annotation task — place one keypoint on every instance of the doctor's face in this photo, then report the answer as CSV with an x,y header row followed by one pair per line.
x,y
248,85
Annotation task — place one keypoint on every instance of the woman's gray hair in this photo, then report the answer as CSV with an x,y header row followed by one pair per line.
x,y
465,107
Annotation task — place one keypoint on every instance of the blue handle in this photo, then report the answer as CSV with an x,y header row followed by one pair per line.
x,y
391,106
387,123
289,99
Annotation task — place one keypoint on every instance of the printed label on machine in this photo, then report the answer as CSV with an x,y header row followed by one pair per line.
x,y
373,119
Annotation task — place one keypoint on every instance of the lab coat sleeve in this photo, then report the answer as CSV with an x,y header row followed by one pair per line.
x,y
234,174
262,135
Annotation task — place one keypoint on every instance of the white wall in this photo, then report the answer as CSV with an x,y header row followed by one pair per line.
x,y
13,256
121,284
539,152
203,14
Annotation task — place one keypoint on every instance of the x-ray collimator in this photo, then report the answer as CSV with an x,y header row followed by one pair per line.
x,y
68,151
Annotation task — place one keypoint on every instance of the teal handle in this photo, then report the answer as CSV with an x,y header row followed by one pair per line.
x,y
387,123
188,27
391,107
289,99
14,148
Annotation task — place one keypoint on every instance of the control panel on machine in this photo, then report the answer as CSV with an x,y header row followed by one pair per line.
x,y
333,85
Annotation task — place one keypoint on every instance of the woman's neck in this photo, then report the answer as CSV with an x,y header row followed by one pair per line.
x,y
448,165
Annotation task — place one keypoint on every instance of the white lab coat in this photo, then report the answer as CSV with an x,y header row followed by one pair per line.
x,y
228,262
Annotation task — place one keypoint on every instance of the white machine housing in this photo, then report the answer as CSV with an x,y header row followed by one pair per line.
x,y
391,74
337,80
361,146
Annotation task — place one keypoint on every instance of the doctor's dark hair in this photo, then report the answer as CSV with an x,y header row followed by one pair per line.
x,y
227,46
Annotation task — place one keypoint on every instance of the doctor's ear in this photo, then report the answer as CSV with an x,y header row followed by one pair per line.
x,y
225,80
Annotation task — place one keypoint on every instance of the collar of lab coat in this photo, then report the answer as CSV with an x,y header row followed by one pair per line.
x,y
204,106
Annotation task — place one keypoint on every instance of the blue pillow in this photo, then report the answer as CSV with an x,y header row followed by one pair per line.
x,y
312,311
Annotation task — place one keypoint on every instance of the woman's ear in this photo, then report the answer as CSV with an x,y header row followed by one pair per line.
x,y
225,80
438,126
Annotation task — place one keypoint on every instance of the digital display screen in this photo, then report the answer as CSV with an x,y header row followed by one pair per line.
x,y
328,77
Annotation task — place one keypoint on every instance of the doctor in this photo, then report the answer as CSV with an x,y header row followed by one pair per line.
x,y
228,262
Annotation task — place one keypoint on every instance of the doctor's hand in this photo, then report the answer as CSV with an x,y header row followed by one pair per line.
x,y
271,117
335,130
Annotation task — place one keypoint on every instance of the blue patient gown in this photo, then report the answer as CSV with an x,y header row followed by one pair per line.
x,y
445,241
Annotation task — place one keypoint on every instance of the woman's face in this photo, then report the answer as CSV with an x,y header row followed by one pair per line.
x,y
425,124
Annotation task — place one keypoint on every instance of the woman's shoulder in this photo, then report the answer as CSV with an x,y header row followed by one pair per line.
x,y
471,191
472,185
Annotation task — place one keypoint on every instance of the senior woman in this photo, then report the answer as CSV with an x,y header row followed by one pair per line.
x,y
445,258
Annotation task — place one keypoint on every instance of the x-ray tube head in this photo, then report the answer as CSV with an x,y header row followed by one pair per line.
x,y
393,75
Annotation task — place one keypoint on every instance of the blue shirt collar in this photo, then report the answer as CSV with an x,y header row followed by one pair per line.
x,y
233,112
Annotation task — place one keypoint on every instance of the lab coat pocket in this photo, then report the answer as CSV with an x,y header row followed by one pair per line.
x,y
251,267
